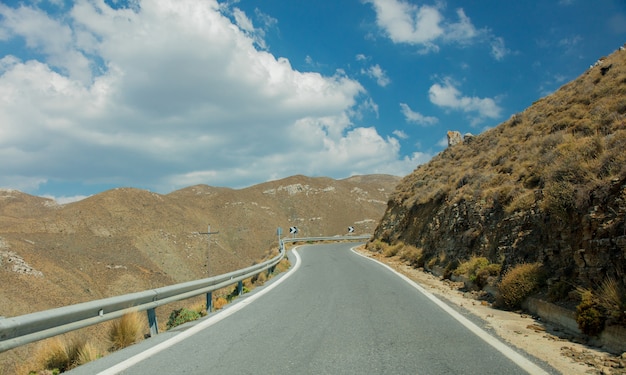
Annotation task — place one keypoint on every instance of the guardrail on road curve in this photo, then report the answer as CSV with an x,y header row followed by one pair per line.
x,y
24,329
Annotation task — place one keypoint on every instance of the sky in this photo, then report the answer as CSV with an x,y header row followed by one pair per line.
x,y
166,94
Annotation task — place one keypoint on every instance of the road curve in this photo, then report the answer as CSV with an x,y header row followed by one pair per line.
x,y
338,313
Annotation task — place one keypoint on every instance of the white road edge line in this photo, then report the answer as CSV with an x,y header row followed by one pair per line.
x,y
514,356
126,364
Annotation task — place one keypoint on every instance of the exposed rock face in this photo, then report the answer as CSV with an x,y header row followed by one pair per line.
x,y
454,138
548,185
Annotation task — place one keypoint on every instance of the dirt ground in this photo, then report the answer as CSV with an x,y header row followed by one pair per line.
x,y
563,351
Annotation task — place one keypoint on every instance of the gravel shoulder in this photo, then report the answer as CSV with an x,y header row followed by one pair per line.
x,y
565,352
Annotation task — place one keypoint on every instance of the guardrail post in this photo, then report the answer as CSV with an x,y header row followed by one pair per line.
x,y
209,302
240,287
152,321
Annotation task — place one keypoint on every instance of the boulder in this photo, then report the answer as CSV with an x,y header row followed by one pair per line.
x,y
454,137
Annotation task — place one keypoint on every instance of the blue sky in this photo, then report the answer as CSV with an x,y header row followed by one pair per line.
x,y
165,94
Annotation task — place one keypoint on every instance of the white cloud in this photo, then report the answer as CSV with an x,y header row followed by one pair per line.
x,y
400,134
377,73
463,31
448,96
48,36
498,49
172,94
407,23
426,25
416,117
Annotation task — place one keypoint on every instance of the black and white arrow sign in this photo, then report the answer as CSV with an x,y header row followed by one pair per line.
x,y
293,230
350,229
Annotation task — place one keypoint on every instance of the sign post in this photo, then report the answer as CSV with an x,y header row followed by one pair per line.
x,y
209,295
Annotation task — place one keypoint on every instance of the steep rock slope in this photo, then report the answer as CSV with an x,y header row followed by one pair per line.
x,y
548,186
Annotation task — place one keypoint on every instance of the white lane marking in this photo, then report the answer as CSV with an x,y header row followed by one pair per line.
x,y
511,354
124,365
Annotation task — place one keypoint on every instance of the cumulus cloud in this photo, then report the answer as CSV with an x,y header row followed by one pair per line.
x,y
416,117
426,26
170,94
447,95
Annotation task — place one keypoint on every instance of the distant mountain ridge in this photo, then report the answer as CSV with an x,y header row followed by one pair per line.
x,y
127,239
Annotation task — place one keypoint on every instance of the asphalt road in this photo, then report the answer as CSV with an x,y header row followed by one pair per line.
x,y
335,313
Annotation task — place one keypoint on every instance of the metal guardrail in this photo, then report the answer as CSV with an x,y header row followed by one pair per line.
x,y
24,329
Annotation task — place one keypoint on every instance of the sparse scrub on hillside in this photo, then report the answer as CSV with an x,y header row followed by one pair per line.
x,y
518,283
376,246
414,256
392,250
478,270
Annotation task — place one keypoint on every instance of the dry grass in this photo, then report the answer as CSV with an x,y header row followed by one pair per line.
x,y
565,144
283,265
219,303
199,307
612,298
58,354
127,330
390,251
414,256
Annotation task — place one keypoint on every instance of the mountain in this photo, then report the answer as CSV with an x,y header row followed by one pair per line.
x,y
546,186
127,240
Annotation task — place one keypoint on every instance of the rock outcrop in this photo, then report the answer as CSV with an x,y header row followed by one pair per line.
x,y
548,185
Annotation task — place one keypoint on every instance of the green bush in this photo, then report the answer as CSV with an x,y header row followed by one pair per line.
x,y
478,270
181,316
588,314
484,273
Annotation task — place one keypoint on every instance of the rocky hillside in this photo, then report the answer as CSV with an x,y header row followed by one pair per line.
x,y
548,186
127,240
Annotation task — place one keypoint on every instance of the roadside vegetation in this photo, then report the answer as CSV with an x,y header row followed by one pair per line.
x,y
594,309
63,353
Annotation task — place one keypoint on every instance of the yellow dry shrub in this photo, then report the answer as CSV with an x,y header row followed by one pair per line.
x,y
56,354
518,283
87,353
219,303
392,250
127,330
